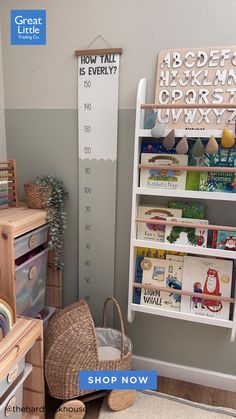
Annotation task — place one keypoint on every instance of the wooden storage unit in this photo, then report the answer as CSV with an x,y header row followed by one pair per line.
x,y
26,338
15,222
138,192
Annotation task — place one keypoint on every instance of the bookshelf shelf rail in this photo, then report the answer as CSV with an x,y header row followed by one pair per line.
x,y
187,168
185,316
192,134
195,250
216,196
185,224
183,292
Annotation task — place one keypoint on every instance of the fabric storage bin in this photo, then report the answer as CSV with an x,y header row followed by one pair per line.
x,y
31,284
11,405
12,375
30,241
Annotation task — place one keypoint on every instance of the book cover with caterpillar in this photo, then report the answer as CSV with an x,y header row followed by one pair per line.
x,y
187,236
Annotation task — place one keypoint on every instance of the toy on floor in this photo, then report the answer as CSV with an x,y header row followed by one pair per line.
x,y
72,343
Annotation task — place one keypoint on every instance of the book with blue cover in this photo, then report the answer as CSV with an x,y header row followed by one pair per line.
x,y
224,240
218,181
148,146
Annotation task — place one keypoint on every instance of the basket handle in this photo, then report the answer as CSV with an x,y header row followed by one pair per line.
x,y
116,304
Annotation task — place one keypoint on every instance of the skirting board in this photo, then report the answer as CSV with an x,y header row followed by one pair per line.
x,y
203,377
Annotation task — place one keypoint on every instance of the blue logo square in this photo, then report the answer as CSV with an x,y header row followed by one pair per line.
x,y
28,27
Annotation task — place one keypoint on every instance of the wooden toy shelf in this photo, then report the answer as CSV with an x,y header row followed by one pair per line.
x,y
15,222
26,338
138,192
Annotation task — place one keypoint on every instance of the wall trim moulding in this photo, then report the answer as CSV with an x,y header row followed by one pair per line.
x,y
200,376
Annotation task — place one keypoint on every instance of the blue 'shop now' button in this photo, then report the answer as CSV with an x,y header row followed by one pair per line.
x,y
117,380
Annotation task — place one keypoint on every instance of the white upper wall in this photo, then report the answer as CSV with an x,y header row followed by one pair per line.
x,y
3,153
45,76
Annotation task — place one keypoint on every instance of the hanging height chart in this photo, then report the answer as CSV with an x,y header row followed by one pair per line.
x,y
98,73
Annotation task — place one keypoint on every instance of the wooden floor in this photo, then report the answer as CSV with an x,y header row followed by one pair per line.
x,y
189,391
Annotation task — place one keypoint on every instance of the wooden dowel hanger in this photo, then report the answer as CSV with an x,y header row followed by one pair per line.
x,y
100,51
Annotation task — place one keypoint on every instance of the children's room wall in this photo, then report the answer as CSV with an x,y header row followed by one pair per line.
x,y
40,87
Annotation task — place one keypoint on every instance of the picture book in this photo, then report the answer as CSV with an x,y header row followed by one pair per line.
x,y
187,236
225,240
209,276
144,252
163,179
218,181
163,273
156,253
151,253
192,181
138,279
148,146
189,209
154,231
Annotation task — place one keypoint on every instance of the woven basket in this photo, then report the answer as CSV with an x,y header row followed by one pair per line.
x,y
71,345
36,195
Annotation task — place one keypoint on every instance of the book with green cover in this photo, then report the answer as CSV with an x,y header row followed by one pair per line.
x,y
189,209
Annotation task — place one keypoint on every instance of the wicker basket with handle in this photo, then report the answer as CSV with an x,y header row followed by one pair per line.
x,y
36,196
71,345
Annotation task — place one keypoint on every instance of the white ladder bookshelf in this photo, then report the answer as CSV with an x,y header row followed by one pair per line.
x,y
138,192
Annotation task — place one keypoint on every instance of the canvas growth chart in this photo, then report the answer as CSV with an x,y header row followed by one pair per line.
x,y
98,73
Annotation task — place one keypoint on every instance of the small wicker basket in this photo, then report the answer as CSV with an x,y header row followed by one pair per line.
x,y
71,345
36,195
